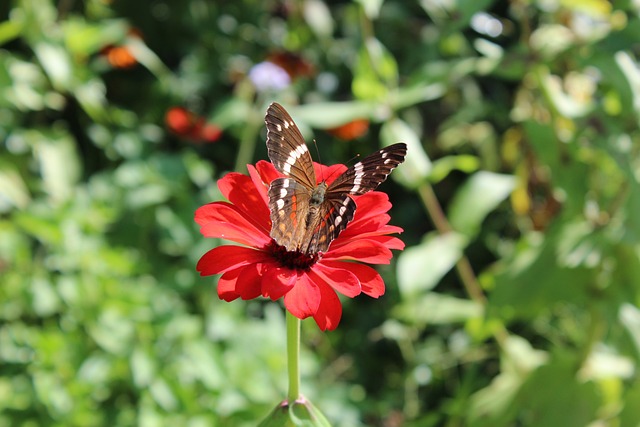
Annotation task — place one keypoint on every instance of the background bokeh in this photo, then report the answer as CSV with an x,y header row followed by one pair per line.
x,y
515,302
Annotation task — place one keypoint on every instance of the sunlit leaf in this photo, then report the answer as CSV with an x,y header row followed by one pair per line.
x,y
57,64
417,165
434,308
480,195
421,267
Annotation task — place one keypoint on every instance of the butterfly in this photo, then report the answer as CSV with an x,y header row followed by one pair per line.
x,y
306,216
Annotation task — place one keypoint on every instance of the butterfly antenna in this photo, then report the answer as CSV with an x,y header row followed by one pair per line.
x,y
351,160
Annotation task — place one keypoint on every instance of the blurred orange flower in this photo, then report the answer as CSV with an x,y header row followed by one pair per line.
x,y
352,130
121,56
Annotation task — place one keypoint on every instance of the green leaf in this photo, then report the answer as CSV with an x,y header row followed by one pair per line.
x,y
318,16
445,165
532,281
13,191
494,404
566,400
563,103
56,62
630,413
481,194
59,164
325,115
434,308
409,95
84,38
375,73
630,318
371,7
421,267
417,165
9,30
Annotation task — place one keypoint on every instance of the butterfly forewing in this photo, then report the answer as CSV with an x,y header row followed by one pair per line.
x,y
286,147
367,174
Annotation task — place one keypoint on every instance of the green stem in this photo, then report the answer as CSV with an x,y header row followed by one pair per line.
x,y
248,141
293,356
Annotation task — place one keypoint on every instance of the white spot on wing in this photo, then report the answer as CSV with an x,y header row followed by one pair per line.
x,y
294,155
359,173
280,203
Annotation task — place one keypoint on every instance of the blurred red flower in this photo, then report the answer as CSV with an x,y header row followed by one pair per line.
x,y
308,283
190,126
352,130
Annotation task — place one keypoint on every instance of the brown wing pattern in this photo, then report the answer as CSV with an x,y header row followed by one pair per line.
x,y
289,207
336,214
370,172
286,147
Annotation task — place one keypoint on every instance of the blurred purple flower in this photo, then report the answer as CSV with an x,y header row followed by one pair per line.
x,y
269,76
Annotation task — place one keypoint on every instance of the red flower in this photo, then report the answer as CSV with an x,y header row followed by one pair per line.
x,y
262,267
190,126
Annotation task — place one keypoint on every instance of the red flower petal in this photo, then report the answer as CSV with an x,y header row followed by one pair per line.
x,y
373,203
328,173
370,281
260,185
248,283
367,250
303,299
329,311
239,190
225,258
227,285
267,172
340,279
389,242
224,220
277,281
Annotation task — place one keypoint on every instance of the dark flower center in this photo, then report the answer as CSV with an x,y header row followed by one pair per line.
x,y
294,260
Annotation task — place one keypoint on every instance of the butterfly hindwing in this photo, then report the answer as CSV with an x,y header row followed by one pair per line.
x,y
286,147
336,213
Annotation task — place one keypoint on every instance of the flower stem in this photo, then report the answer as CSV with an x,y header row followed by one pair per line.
x,y
293,356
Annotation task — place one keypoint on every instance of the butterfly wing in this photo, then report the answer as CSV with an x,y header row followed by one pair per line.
x,y
367,174
336,212
289,207
286,147
338,208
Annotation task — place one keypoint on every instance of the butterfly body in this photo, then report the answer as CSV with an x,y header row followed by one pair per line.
x,y
306,216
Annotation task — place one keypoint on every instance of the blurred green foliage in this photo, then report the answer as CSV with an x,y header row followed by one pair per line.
x,y
516,301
